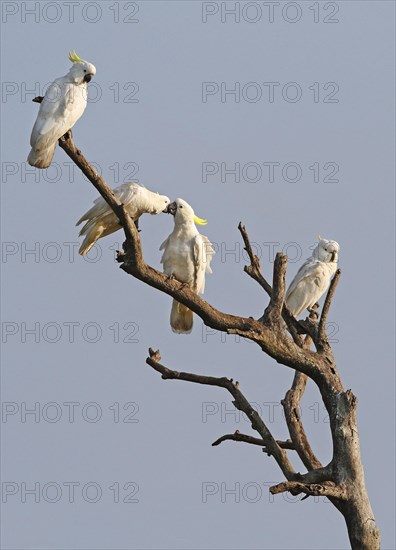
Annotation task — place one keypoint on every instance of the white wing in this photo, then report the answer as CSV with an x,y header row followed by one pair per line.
x,y
62,106
202,254
307,286
209,251
127,193
163,247
304,270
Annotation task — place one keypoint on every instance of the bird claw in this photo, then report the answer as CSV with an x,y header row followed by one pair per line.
x,y
67,135
313,311
183,285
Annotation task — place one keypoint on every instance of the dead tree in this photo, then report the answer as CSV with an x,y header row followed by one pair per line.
x,y
289,342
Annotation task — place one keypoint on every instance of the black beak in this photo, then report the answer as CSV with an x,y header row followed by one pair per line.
x,y
333,256
171,209
87,78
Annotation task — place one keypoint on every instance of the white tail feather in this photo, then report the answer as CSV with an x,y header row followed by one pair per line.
x,y
41,159
181,318
92,236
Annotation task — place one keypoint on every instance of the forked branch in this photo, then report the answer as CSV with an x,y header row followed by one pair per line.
x,y
240,402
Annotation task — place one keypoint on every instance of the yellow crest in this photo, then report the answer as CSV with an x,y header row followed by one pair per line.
x,y
74,57
319,238
200,221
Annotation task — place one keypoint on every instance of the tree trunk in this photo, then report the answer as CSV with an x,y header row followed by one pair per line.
x,y
362,530
348,471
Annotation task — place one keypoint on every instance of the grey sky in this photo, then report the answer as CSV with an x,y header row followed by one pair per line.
x,y
164,138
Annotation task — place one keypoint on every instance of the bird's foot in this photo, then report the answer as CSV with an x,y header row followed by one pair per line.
x,y
188,285
313,312
67,135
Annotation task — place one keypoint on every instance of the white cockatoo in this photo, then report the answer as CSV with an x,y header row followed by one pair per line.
x,y
63,104
101,220
313,278
187,256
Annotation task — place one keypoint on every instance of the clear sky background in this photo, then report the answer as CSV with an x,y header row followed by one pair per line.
x,y
149,120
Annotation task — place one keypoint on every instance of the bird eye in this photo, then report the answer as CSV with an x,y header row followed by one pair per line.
x,y
180,206
85,70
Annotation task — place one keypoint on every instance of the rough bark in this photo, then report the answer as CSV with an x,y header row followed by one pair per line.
x,y
280,336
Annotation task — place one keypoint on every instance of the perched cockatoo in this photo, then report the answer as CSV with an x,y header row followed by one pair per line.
x,y
101,220
63,104
313,278
187,256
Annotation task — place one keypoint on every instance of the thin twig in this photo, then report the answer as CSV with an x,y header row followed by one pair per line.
x,y
322,340
237,436
254,271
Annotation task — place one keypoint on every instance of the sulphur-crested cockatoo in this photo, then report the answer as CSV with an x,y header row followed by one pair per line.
x,y
187,256
63,104
313,278
101,220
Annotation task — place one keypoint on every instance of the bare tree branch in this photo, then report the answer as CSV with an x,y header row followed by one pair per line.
x,y
273,312
272,448
254,271
291,407
240,402
322,340
237,436
318,490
